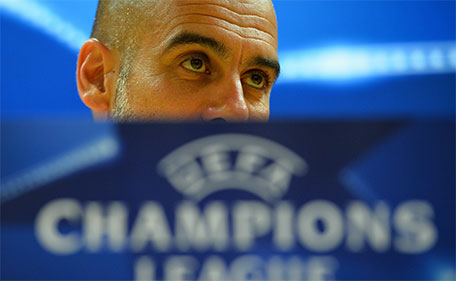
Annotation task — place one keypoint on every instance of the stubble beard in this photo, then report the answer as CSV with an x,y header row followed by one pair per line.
x,y
122,112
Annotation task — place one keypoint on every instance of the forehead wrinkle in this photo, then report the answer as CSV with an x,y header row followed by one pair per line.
x,y
227,29
230,22
227,9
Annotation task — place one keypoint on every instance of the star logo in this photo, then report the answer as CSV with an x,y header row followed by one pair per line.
x,y
232,161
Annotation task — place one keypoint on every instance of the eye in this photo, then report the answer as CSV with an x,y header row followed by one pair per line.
x,y
195,64
256,79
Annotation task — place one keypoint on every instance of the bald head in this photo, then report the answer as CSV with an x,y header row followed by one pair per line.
x,y
118,22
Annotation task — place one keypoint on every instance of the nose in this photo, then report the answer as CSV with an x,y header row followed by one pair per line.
x,y
225,102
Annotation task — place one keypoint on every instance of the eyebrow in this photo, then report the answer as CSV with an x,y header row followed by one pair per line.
x,y
188,38
266,62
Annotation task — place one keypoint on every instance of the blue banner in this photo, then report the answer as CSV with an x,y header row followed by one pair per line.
x,y
279,201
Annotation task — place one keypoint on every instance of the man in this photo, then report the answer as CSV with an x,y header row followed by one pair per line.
x,y
199,60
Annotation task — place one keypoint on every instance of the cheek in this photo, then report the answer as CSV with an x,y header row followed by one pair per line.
x,y
163,94
259,112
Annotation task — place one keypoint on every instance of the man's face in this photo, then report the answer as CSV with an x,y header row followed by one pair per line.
x,y
203,61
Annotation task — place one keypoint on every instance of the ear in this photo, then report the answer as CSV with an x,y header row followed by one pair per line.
x,y
95,77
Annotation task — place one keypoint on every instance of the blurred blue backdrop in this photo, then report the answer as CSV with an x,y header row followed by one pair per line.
x,y
340,59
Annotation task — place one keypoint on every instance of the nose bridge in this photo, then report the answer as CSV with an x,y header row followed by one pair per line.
x,y
226,100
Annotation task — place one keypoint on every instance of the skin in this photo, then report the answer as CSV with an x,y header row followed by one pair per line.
x,y
204,60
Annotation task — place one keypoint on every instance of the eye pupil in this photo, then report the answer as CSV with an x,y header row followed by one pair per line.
x,y
196,63
257,79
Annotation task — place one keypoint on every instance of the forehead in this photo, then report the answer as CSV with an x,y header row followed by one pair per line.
x,y
247,20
